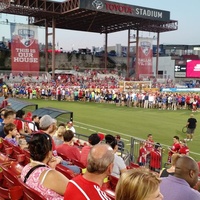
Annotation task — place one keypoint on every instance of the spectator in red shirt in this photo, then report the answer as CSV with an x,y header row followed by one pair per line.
x,y
142,154
22,126
155,155
184,148
67,148
175,148
5,103
93,140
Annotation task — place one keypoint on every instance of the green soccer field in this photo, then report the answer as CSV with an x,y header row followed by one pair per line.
x,y
137,122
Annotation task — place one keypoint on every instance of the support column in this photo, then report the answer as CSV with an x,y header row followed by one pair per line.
x,y
53,47
128,55
157,55
137,55
106,50
46,46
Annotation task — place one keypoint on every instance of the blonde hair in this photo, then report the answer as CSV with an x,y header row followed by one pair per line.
x,y
60,131
137,184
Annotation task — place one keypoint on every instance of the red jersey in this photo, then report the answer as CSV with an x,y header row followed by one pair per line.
x,y
176,147
149,145
81,189
84,154
142,155
155,161
70,152
184,150
19,125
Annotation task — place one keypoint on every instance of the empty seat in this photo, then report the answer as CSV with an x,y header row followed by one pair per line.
x,y
113,182
10,176
4,193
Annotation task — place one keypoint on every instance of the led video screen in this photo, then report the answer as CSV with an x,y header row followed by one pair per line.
x,y
193,69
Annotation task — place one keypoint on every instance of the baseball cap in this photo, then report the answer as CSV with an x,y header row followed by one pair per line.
x,y
46,121
94,139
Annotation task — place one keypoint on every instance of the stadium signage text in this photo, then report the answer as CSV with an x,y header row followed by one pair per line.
x,y
126,9
118,7
25,55
138,11
149,13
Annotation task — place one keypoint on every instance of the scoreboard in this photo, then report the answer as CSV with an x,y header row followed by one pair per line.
x,y
180,69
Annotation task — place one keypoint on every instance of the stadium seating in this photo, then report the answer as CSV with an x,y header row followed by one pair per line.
x,y
113,182
63,156
133,165
78,163
4,193
10,177
3,158
66,172
29,193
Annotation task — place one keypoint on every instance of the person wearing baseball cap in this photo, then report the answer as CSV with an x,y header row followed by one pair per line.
x,y
70,127
48,125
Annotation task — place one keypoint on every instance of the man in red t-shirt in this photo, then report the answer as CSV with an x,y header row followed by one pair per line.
x,y
67,148
93,140
88,186
174,149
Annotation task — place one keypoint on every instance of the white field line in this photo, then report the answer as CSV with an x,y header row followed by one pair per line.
x,y
107,130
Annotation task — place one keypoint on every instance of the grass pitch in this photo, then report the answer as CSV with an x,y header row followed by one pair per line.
x,y
128,121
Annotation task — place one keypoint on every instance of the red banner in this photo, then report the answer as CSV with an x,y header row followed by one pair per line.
x,y
24,48
145,57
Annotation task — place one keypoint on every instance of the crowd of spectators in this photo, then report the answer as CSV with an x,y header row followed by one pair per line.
x,y
101,160
90,86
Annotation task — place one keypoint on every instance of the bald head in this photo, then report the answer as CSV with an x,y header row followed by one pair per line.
x,y
187,169
99,158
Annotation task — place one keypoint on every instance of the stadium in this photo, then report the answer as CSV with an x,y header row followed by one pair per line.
x,y
111,117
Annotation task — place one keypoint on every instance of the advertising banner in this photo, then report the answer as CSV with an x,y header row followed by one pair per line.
x,y
24,48
145,57
193,69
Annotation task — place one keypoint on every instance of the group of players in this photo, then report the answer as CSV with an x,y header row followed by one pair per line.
x,y
150,154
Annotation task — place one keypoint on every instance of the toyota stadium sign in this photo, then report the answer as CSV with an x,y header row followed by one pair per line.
x,y
125,9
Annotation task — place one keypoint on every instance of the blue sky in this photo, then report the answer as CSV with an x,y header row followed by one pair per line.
x,y
186,12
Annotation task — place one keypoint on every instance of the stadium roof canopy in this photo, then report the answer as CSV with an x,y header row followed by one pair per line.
x,y
97,16
17,104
